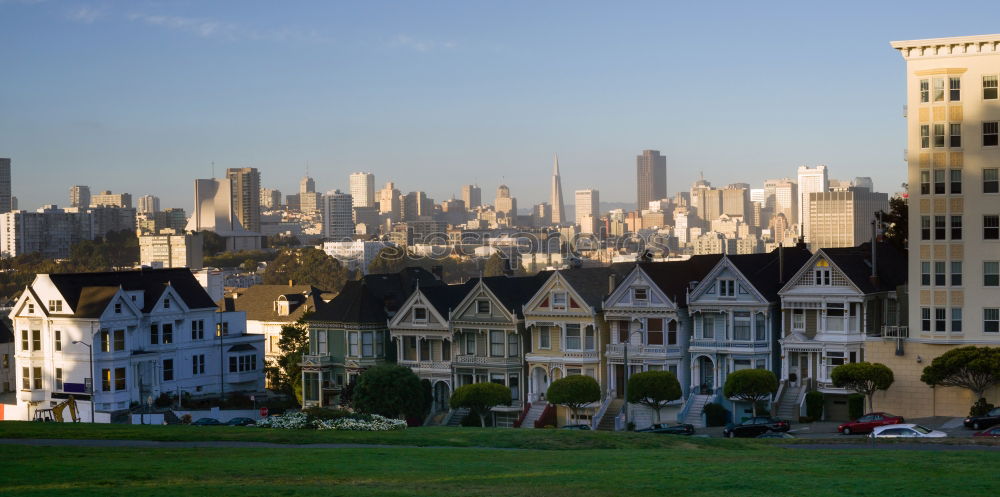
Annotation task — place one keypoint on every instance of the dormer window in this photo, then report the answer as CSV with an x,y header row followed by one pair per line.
x,y
282,307
55,306
559,301
31,308
727,288
118,307
166,303
482,307
420,314
640,295
821,274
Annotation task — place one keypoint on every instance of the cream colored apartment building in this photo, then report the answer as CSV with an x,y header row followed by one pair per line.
x,y
953,155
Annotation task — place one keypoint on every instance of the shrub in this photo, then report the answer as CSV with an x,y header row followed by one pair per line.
x,y
751,385
574,392
186,419
863,377
814,404
164,400
481,398
472,420
981,407
389,390
654,389
715,414
324,414
855,405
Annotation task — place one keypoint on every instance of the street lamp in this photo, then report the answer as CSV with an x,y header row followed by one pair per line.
x,y
628,342
93,394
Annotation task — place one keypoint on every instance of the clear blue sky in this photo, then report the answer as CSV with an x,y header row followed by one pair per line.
x,y
142,96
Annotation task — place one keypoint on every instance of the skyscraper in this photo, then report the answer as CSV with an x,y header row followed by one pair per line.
x,y
505,203
842,218
388,201
307,185
363,189
811,180
651,177
556,197
106,198
473,196
148,204
245,184
587,210
5,188
338,216
79,196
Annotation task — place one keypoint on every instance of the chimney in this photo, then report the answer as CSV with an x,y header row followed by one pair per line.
x,y
612,283
291,282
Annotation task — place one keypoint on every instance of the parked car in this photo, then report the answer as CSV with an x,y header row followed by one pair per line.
x,y
241,422
755,426
868,422
776,434
992,432
979,422
576,427
908,430
670,429
206,422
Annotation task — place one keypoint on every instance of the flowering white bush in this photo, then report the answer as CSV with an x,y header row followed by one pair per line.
x,y
378,423
293,421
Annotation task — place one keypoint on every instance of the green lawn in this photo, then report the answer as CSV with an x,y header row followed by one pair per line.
x,y
684,471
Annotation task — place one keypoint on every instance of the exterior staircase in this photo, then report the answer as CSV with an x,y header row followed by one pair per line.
x,y
456,416
533,414
694,416
607,423
788,405
641,416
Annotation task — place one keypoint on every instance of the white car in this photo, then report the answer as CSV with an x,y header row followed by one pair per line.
x,y
908,430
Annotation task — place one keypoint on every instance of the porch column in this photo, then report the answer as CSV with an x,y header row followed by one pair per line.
x,y
809,357
418,356
784,365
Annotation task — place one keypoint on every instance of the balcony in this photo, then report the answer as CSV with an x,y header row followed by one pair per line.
x,y
618,349
711,343
580,354
488,361
895,331
318,360
439,365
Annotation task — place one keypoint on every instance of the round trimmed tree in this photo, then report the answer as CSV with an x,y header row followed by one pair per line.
x,y
654,389
574,392
863,377
389,390
751,385
973,368
480,398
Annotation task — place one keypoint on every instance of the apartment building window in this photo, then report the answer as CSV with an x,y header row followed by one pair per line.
x,y
956,319
727,288
198,329
242,363
741,325
496,343
938,90
939,181
654,331
956,273
573,336
938,135
352,344
545,337
36,378
940,228
760,328
925,182
991,227
119,378
956,181
940,319
991,319
168,370
119,340
512,345
939,273
24,339
991,180
925,227
925,136
367,344
36,340
925,319
925,91
198,364
105,380
990,87
672,332
470,342
990,134
419,315
105,341
168,333
59,380
57,340
991,273
956,227
798,319
55,306
955,135
954,88
25,378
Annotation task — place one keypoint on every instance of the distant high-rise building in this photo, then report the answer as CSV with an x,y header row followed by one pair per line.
x,y
473,196
811,180
79,196
246,196
556,198
307,185
169,251
148,204
542,214
13,203
842,218
864,182
388,201
311,202
587,210
270,198
736,202
363,189
783,198
106,198
292,202
213,206
338,216
6,205
651,177
50,231
505,203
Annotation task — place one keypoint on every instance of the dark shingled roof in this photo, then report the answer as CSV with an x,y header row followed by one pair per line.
x,y
674,277
373,298
445,298
514,292
857,265
593,283
762,269
88,294
258,301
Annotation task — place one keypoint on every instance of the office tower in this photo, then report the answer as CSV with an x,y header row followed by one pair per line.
x,y
759,195
79,196
246,196
388,201
111,218
842,218
338,216
651,177
587,210
811,180
6,204
13,203
681,224
542,214
213,206
505,204
176,219
735,201
415,204
270,198
363,189
106,198
307,185
148,204
170,251
454,211
864,182
473,196
292,202
556,198
310,202
783,198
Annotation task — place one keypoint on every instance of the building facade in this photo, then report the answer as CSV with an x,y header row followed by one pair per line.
x,y
842,217
362,186
651,177
338,216
172,251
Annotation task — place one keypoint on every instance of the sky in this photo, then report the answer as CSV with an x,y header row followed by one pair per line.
x,y
144,96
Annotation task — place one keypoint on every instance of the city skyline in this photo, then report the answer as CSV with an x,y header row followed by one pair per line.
x,y
95,133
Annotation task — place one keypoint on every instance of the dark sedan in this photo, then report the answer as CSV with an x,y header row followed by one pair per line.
x,y
206,422
755,426
241,422
576,427
675,429
979,422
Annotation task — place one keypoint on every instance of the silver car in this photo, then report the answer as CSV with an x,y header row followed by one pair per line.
x,y
907,430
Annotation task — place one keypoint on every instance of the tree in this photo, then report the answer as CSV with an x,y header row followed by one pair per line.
x,y
897,229
973,368
574,392
212,243
495,265
863,377
389,260
751,385
654,389
306,266
389,390
285,374
480,398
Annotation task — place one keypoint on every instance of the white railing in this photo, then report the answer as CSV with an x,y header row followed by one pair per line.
x,y
583,354
895,331
498,361
729,344
426,364
619,349
600,412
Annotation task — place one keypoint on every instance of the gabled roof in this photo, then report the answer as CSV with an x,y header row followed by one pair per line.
x,y
762,269
673,277
593,283
514,292
258,301
444,298
88,294
374,298
856,263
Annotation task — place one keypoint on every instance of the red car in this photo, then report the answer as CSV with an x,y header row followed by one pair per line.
x,y
868,422
992,432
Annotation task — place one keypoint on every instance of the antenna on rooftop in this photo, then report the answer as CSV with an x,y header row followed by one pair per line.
x,y
213,169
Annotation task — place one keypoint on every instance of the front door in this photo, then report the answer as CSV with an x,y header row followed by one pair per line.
x,y
707,376
619,380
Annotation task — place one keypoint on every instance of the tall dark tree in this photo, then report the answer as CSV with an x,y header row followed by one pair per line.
x,y
897,228
574,392
480,398
212,243
389,390
389,260
306,266
495,265
285,374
